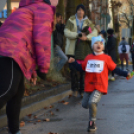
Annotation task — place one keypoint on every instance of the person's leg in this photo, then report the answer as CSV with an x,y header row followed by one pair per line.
x,y
122,58
133,62
85,100
13,108
126,58
74,78
122,66
93,101
7,89
11,76
62,56
81,82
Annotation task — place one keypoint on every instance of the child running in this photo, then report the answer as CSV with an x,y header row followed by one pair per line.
x,y
96,67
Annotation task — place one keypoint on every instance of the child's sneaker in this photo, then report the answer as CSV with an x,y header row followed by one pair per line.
x,y
91,126
112,79
109,77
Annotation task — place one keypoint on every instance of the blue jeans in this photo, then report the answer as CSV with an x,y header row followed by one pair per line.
x,y
90,100
63,58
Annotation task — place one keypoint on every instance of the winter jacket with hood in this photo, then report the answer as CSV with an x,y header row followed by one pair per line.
x,y
71,33
26,36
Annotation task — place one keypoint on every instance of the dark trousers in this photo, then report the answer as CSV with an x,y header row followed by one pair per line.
x,y
11,91
133,62
77,79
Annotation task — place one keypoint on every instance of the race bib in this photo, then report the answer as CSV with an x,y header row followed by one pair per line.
x,y
95,66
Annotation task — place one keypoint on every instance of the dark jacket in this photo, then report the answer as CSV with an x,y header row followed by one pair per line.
x,y
132,50
82,49
111,48
58,35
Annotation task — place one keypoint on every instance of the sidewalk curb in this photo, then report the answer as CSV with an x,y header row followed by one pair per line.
x,y
36,106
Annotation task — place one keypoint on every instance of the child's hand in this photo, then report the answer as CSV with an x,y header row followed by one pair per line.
x,y
130,75
71,60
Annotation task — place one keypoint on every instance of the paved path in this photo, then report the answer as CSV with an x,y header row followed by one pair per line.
x,y
115,114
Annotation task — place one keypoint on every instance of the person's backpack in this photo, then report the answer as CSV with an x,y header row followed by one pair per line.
x,y
123,48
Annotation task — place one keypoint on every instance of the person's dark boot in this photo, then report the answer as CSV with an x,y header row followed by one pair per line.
x,y
91,127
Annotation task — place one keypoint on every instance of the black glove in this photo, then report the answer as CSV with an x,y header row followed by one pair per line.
x,y
80,35
41,75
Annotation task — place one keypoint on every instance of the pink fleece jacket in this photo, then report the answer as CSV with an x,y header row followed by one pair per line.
x,y
26,36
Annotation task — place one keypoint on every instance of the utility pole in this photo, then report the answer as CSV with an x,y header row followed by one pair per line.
x,y
8,7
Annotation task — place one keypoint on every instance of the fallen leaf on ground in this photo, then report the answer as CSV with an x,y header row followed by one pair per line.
x,y
70,96
29,121
62,101
35,117
29,115
22,124
50,133
66,103
26,93
45,107
52,113
51,106
47,119
57,110
38,121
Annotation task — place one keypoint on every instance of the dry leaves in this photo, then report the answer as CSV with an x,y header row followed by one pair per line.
x,y
66,103
52,133
29,115
57,110
51,106
69,96
38,121
62,101
47,119
22,124
35,117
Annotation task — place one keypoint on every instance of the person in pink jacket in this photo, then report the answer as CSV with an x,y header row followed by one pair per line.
x,y
25,41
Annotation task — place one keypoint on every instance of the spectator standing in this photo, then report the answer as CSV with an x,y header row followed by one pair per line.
x,y
132,54
73,27
22,47
124,50
111,49
58,35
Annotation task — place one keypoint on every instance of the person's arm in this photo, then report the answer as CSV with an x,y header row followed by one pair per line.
x,y
41,75
68,33
113,67
42,30
77,66
120,72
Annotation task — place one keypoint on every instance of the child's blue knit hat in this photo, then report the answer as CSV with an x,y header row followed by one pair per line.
x,y
96,39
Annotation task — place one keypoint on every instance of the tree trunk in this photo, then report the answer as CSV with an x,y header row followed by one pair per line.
x,y
60,8
71,7
8,7
86,4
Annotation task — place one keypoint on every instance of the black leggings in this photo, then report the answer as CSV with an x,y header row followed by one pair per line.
x,y
11,91
133,62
